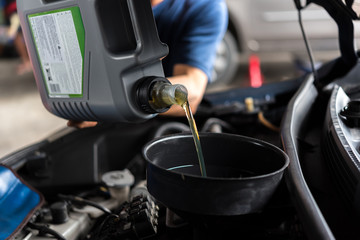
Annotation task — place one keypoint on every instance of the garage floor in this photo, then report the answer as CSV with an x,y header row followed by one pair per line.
x,y
23,119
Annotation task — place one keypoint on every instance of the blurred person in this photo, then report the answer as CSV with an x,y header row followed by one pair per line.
x,y
192,29
11,34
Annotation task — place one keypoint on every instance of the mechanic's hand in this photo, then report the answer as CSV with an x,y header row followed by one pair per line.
x,y
81,124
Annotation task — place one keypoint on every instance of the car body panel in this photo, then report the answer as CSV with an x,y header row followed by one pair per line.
x,y
264,26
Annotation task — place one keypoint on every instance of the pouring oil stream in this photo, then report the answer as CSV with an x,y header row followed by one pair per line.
x,y
181,99
196,137
168,94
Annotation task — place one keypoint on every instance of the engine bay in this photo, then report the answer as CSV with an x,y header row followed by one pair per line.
x,y
68,170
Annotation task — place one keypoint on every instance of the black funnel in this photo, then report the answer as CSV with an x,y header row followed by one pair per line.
x,y
242,173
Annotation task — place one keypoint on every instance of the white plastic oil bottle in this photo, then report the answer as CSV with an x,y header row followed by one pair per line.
x,y
94,59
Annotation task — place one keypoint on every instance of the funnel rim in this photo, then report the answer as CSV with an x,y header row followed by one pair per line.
x,y
245,138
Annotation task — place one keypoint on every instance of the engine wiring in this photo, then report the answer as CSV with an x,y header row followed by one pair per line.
x,y
250,107
266,123
81,200
43,229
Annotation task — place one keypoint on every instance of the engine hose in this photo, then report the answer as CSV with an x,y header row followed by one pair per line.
x,y
171,127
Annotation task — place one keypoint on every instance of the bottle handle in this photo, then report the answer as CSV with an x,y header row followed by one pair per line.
x,y
146,31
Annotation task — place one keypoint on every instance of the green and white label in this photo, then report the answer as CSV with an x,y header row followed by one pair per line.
x,y
59,38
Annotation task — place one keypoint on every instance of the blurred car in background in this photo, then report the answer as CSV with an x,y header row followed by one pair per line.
x,y
270,29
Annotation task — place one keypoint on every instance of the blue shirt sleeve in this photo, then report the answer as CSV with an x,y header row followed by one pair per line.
x,y
205,28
